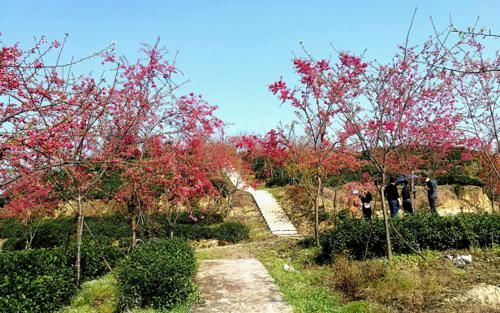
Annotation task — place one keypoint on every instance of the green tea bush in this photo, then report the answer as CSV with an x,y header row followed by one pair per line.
x,y
35,281
359,238
158,274
459,179
92,258
57,232
109,226
11,228
192,232
231,232
202,218
54,232
228,231
49,233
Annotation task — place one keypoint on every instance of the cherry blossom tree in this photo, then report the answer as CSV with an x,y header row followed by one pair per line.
x,y
80,127
323,91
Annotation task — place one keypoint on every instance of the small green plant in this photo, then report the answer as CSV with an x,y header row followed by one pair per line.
x,y
232,232
158,274
94,258
35,281
360,239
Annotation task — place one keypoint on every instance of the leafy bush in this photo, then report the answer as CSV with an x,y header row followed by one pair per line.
x,y
231,232
360,238
193,232
459,179
11,228
92,262
265,169
157,274
109,226
228,231
202,218
54,232
60,231
349,277
49,233
35,281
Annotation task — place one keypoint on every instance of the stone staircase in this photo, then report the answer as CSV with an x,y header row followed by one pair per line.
x,y
274,215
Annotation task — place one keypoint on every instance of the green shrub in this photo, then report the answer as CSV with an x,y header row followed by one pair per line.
x,y
14,244
231,232
35,281
202,218
109,226
49,233
11,228
192,232
359,238
157,274
92,262
53,232
459,179
228,231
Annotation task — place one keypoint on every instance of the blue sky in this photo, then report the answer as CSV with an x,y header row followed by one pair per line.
x,y
231,50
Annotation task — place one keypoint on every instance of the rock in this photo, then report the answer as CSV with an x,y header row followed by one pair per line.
x,y
288,268
460,260
483,294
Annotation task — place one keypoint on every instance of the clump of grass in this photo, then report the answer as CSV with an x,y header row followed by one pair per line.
x,y
95,296
306,289
411,283
100,296
349,277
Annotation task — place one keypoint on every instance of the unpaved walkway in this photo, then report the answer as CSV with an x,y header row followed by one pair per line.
x,y
274,215
238,286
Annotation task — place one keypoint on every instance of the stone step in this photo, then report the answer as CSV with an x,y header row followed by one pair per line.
x,y
275,217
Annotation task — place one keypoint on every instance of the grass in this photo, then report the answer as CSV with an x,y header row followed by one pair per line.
x,y
306,288
410,283
100,296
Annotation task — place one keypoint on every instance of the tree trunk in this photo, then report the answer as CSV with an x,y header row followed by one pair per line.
x,y
386,218
79,234
316,211
335,206
134,231
492,194
413,189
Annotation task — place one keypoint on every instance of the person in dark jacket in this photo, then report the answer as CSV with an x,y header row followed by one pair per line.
x,y
392,195
406,196
431,194
366,206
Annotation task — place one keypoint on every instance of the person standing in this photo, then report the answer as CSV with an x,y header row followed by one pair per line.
x,y
406,196
366,206
392,195
431,194
353,204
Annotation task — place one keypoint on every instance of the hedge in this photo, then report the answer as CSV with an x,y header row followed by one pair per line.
x,y
158,274
91,259
228,231
56,232
35,281
458,179
361,238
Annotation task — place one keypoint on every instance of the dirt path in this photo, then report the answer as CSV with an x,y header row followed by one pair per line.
x,y
238,285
